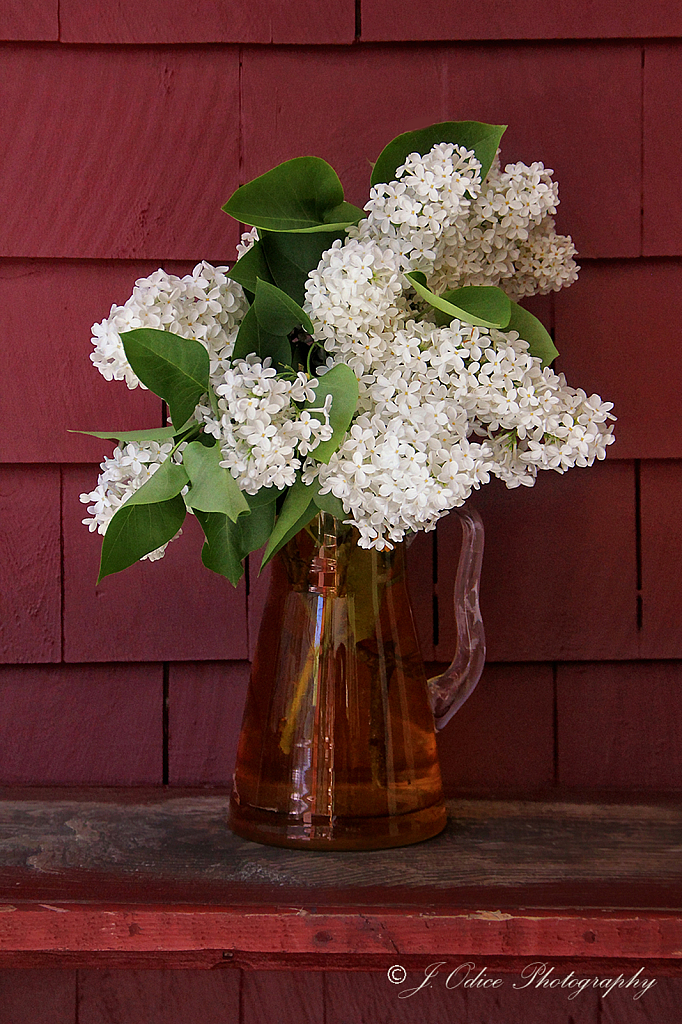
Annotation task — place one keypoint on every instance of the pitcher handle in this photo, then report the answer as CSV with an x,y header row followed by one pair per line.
x,y
450,690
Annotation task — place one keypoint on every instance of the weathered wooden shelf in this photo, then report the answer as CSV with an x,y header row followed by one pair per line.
x,y
154,878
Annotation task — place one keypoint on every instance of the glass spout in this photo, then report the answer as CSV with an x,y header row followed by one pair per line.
x,y
451,689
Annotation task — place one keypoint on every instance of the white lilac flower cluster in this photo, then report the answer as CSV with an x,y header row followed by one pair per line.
x,y
124,473
204,305
264,435
444,410
423,214
441,409
438,218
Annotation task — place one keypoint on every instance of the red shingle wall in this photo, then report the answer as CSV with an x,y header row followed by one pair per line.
x,y
125,125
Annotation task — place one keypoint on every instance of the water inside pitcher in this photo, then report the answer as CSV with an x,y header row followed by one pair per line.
x,y
338,746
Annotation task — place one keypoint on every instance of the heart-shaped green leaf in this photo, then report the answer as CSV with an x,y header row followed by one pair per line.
x,y
341,383
149,518
222,551
484,139
483,301
296,512
276,312
291,257
252,338
250,267
294,196
501,306
174,368
532,330
213,488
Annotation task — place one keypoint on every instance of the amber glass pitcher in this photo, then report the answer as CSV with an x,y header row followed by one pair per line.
x,y
338,745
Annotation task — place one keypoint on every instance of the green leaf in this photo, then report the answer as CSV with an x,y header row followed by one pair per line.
x,y
168,480
295,196
136,530
291,257
341,383
306,517
252,266
160,434
327,226
221,552
228,543
331,504
296,512
418,281
264,496
213,488
532,331
176,369
484,139
252,338
256,528
213,402
149,518
483,301
344,215
276,312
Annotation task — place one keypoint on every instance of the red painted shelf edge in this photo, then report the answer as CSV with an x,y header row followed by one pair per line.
x,y
257,935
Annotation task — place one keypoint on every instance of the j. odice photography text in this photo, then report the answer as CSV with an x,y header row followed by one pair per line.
x,y
535,975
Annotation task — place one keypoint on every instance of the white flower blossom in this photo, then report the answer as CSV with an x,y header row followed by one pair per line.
x,y
441,409
263,433
124,473
204,305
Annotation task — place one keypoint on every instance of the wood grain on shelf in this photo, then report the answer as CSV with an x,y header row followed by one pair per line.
x,y
118,879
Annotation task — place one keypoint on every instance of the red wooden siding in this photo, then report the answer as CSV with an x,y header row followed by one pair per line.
x,y
175,997
30,596
38,997
620,725
661,633
346,104
371,999
210,21
528,19
205,706
153,139
616,329
185,997
502,740
81,724
295,998
662,151
559,573
29,19
125,154
171,609
662,1006
65,299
